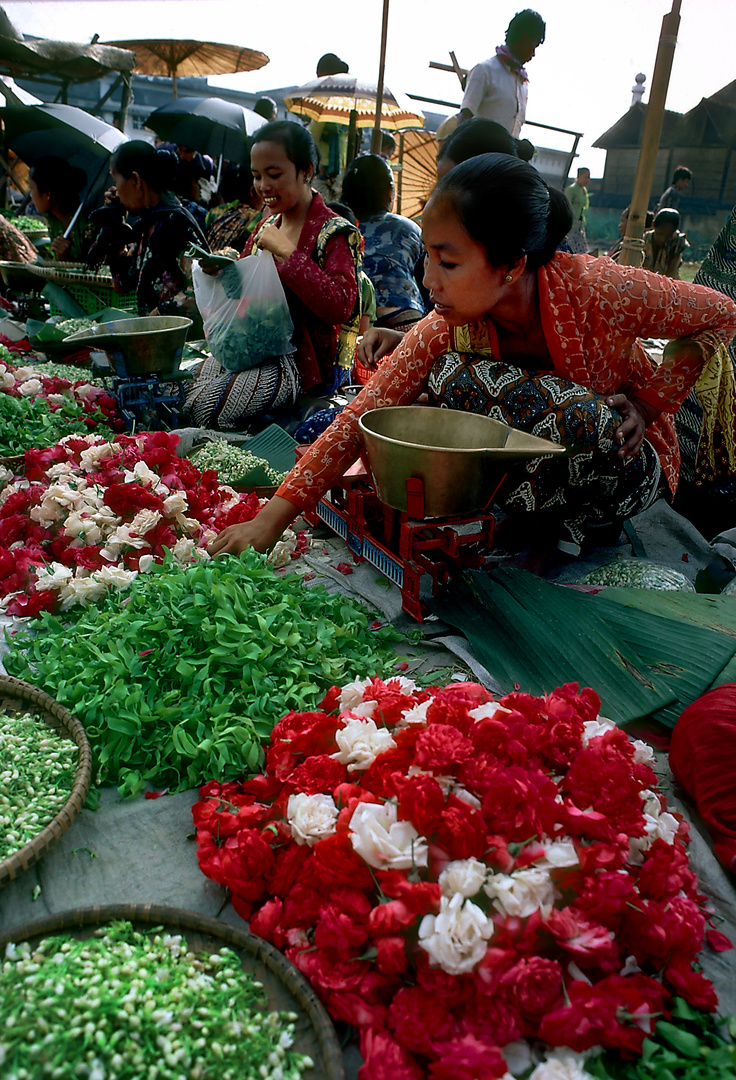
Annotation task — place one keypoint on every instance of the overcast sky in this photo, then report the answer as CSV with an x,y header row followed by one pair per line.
x,y
580,79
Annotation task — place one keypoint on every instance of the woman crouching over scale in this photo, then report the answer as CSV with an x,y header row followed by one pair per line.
x,y
544,341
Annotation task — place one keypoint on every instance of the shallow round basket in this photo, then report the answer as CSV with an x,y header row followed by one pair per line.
x,y
18,696
286,988
15,462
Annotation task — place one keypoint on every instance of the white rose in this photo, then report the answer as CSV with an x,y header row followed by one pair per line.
x,y
464,876
54,576
116,576
6,475
61,468
145,564
416,715
143,521
383,841
561,1064
518,1057
89,459
457,938
147,477
592,729
659,825
643,753
352,694
175,504
407,686
30,387
490,709
23,374
81,591
7,381
311,817
360,742
87,391
559,853
184,550
522,893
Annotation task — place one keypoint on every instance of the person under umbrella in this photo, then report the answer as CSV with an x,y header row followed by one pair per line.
x,y
153,263
55,187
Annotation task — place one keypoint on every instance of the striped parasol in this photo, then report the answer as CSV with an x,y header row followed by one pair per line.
x,y
333,98
417,172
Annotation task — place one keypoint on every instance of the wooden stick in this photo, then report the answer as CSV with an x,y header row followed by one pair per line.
x,y
632,248
376,136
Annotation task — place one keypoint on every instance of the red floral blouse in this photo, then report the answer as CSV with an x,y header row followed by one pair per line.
x,y
593,313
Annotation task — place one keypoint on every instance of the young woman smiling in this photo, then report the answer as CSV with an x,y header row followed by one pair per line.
x,y
542,340
316,254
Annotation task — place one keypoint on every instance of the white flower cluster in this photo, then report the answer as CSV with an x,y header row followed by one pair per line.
x,y
385,842
311,817
659,825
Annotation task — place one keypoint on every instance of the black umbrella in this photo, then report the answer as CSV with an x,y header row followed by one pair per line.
x,y
211,125
38,131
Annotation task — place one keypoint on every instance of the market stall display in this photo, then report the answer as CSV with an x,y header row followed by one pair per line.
x,y
46,774
479,886
90,514
158,991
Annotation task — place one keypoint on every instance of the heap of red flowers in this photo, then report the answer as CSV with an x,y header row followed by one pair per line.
x,y
465,879
89,513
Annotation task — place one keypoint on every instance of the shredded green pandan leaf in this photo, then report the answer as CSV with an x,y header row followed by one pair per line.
x,y
27,422
184,680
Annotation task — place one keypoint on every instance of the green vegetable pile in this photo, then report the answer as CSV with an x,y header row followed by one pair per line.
x,y
688,1048
637,574
28,224
70,326
27,422
37,768
127,1005
183,682
235,464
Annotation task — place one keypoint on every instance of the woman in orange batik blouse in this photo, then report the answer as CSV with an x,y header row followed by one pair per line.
x,y
545,341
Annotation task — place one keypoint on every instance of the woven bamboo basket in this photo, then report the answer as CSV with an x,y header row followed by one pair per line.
x,y
19,696
285,987
15,462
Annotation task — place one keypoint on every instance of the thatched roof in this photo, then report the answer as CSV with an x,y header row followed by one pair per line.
x,y
29,57
712,122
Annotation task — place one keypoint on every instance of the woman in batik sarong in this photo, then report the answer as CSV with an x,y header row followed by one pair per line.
x,y
316,254
542,340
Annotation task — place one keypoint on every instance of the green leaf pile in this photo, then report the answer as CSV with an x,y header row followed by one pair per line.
x,y
27,422
690,1047
182,682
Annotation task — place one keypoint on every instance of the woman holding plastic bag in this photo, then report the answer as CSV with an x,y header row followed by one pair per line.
x,y
315,254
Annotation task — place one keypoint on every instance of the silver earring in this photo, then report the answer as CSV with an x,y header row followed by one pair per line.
x,y
508,279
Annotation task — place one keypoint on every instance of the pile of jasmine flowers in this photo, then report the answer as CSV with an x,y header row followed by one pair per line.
x,y
126,1005
37,768
233,463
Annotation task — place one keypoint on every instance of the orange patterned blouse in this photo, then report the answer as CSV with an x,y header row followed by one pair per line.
x,y
593,311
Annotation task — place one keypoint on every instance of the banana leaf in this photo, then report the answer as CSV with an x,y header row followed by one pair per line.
x,y
537,636
645,653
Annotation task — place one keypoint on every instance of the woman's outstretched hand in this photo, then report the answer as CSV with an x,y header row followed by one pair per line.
x,y
636,416
261,533
376,343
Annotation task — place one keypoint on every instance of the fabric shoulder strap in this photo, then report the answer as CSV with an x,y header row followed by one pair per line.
x,y
472,339
348,337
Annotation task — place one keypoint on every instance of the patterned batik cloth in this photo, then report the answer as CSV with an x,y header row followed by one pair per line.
x,y
591,487
228,400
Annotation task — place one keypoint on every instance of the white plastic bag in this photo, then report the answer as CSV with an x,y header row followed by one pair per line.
x,y
244,310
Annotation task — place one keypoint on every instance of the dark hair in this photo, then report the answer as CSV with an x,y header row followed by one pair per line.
x,y
61,180
525,149
157,167
667,216
342,210
681,173
236,183
477,136
265,107
583,169
366,184
505,205
329,64
298,144
388,140
526,22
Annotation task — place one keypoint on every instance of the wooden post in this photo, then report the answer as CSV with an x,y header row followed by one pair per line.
x,y
632,248
376,136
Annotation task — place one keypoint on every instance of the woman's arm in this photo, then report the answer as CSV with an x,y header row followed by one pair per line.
x,y
261,533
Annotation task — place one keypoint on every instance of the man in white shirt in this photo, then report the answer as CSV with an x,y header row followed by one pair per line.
x,y
497,88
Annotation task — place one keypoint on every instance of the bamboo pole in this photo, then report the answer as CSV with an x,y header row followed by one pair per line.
x,y
632,248
376,136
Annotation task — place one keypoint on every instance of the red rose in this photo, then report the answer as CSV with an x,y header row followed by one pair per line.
x,y
391,917
343,921
378,777
494,965
421,801
462,830
391,958
691,985
335,863
605,897
455,991
468,1058
666,872
589,943
494,1020
440,747
420,896
535,984
384,1059
302,904
617,1012
316,774
266,921
126,500
325,971
520,804
355,1010
418,1019
288,865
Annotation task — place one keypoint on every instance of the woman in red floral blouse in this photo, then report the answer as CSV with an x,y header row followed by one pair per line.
x,y
547,342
